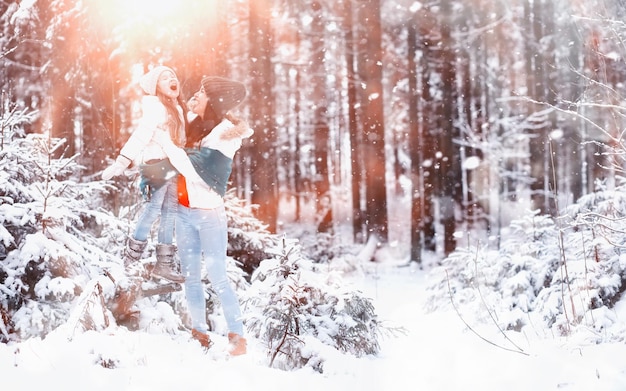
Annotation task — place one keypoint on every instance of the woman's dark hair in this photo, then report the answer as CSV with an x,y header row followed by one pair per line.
x,y
199,128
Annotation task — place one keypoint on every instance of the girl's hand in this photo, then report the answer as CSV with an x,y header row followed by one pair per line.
x,y
117,168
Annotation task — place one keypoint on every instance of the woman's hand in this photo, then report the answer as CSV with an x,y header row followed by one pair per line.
x,y
192,103
240,130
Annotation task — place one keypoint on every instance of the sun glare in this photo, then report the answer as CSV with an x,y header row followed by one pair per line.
x,y
149,9
161,15
154,9
140,26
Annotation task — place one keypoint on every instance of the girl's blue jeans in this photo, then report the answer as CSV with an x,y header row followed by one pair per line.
x,y
163,202
202,233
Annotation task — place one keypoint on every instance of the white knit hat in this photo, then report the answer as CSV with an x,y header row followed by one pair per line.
x,y
149,81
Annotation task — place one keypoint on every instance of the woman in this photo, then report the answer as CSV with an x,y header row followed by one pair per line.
x,y
201,229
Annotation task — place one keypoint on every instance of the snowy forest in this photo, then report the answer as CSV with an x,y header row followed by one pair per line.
x,y
481,140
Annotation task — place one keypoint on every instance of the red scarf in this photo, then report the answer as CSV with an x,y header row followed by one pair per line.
x,y
183,197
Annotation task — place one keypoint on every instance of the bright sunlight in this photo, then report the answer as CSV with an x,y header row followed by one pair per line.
x,y
114,12
141,28
138,18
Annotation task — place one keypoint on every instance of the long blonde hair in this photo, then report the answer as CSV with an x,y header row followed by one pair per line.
x,y
175,124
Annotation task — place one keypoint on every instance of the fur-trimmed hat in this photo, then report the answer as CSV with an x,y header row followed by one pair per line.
x,y
224,94
149,81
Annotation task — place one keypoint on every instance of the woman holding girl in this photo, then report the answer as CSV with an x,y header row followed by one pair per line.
x,y
201,228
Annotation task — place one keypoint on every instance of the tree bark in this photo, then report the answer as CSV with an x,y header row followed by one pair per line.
x,y
355,161
264,186
370,74
415,151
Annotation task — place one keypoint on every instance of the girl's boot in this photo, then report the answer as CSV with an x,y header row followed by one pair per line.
x,y
166,266
134,251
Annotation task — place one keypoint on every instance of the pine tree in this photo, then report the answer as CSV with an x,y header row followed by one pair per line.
x,y
50,223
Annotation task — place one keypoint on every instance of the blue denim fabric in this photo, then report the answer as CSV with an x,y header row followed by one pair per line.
x,y
202,232
164,203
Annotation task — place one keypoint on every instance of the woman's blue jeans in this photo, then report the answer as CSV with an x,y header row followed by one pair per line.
x,y
163,202
202,233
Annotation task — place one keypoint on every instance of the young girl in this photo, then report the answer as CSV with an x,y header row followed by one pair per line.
x,y
162,110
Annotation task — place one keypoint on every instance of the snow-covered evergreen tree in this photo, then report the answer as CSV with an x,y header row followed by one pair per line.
x,y
550,276
297,306
48,234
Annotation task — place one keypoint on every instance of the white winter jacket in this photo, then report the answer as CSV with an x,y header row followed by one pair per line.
x,y
141,146
200,194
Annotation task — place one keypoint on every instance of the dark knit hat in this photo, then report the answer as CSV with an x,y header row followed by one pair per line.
x,y
224,94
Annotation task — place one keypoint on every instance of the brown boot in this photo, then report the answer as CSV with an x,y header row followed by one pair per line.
x,y
165,266
134,251
237,344
201,337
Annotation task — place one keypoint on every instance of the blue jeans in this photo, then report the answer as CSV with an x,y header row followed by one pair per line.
x,y
203,232
164,203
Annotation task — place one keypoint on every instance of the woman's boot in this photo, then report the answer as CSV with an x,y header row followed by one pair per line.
x,y
236,344
201,337
166,266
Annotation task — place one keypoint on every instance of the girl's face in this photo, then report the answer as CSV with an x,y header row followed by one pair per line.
x,y
168,85
198,102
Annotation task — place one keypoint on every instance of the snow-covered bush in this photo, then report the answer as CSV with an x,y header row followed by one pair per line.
x,y
248,238
549,274
294,305
47,239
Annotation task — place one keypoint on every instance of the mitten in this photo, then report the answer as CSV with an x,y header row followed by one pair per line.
x,y
116,168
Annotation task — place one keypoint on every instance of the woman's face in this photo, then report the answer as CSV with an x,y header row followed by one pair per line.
x,y
168,84
198,103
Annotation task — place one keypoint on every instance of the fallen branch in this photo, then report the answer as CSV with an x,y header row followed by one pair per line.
x,y
518,350
493,319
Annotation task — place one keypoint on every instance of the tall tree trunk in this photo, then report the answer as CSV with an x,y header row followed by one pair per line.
x,y
449,162
300,178
428,124
62,94
355,139
264,186
370,74
321,129
415,151
539,145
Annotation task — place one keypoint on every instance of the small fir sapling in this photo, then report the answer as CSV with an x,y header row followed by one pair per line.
x,y
294,305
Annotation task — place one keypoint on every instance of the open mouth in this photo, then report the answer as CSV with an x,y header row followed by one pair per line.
x,y
173,87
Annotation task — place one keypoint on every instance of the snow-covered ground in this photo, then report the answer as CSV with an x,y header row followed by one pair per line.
x,y
434,351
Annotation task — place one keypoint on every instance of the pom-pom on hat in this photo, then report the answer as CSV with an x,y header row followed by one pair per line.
x,y
149,81
224,94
